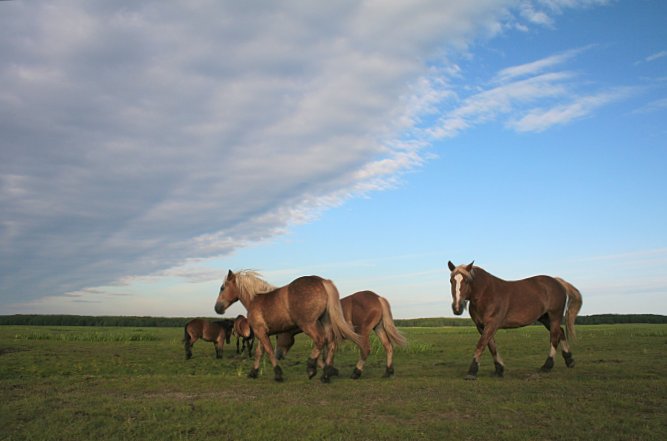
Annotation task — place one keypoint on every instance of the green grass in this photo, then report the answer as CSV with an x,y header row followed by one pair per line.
x,y
134,383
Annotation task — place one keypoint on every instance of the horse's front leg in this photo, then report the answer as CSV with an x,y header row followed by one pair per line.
x,y
487,332
265,343
259,352
497,361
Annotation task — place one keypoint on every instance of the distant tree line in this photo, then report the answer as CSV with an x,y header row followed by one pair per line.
x,y
609,319
433,322
85,320
166,322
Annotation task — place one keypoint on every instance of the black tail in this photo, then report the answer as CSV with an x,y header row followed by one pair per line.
x,y
186,343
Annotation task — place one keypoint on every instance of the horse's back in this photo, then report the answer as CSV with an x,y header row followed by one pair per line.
x,y
362,308
195,327
531,298
306,290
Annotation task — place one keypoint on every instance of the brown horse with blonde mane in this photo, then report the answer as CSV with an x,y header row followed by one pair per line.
x,y
310,303
498,304
218,332
243,333
366,311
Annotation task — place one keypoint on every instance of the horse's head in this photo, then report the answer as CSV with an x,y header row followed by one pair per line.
x,y
461,280
229,293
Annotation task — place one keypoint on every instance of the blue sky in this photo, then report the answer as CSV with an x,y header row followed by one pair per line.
x,y
148,148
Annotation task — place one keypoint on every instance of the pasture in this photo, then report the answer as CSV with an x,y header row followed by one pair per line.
x,y
134,383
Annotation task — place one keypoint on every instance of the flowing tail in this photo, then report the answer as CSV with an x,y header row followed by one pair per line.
x,y
393,333
341,328
574,302
186,335
186,342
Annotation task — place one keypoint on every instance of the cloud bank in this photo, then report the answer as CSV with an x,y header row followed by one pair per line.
x,y
138,135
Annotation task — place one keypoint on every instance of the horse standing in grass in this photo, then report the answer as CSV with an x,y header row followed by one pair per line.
x,y
244,333
217,332
499,304
366,311
310,303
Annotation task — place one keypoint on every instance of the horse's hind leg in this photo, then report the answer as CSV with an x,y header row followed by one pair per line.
x,y
250,343
364,350
388,349
189,343
567,355
555,335
316,333
330,344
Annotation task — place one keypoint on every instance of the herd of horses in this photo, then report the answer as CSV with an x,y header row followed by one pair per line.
x,y
312,305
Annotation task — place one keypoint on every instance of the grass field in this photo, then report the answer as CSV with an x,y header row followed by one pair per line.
x,y
79,383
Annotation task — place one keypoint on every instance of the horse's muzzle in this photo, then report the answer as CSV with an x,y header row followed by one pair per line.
x,y
457,310
219,308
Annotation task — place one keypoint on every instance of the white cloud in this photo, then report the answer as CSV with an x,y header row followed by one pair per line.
x,y
529,97
138,135
500,100
656,56
537,120
537,66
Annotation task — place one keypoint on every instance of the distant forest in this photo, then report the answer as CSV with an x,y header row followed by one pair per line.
x,y
166,322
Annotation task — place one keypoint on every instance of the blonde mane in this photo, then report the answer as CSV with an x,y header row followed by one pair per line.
x,y
250,284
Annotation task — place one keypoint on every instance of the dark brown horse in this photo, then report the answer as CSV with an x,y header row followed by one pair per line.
x,y
310,303
217,332
499,304
244,333
366,311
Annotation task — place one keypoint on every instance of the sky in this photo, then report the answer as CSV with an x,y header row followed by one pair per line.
x,y
147,148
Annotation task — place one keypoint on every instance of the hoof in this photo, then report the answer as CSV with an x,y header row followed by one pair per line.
x,y
278,374
472,371
388,372
500,371
569,360
356,374
253,373
311,368
548,365
327,373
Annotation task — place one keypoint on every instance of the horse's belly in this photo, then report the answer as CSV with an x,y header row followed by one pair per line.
x,y
522,317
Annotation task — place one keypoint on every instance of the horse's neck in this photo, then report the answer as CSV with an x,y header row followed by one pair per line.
x,y
481,283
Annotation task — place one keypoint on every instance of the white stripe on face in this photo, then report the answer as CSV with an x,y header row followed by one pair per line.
x,y
459,279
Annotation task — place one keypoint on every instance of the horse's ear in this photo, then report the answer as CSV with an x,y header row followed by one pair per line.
x,y
469,267
451,265
230,275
